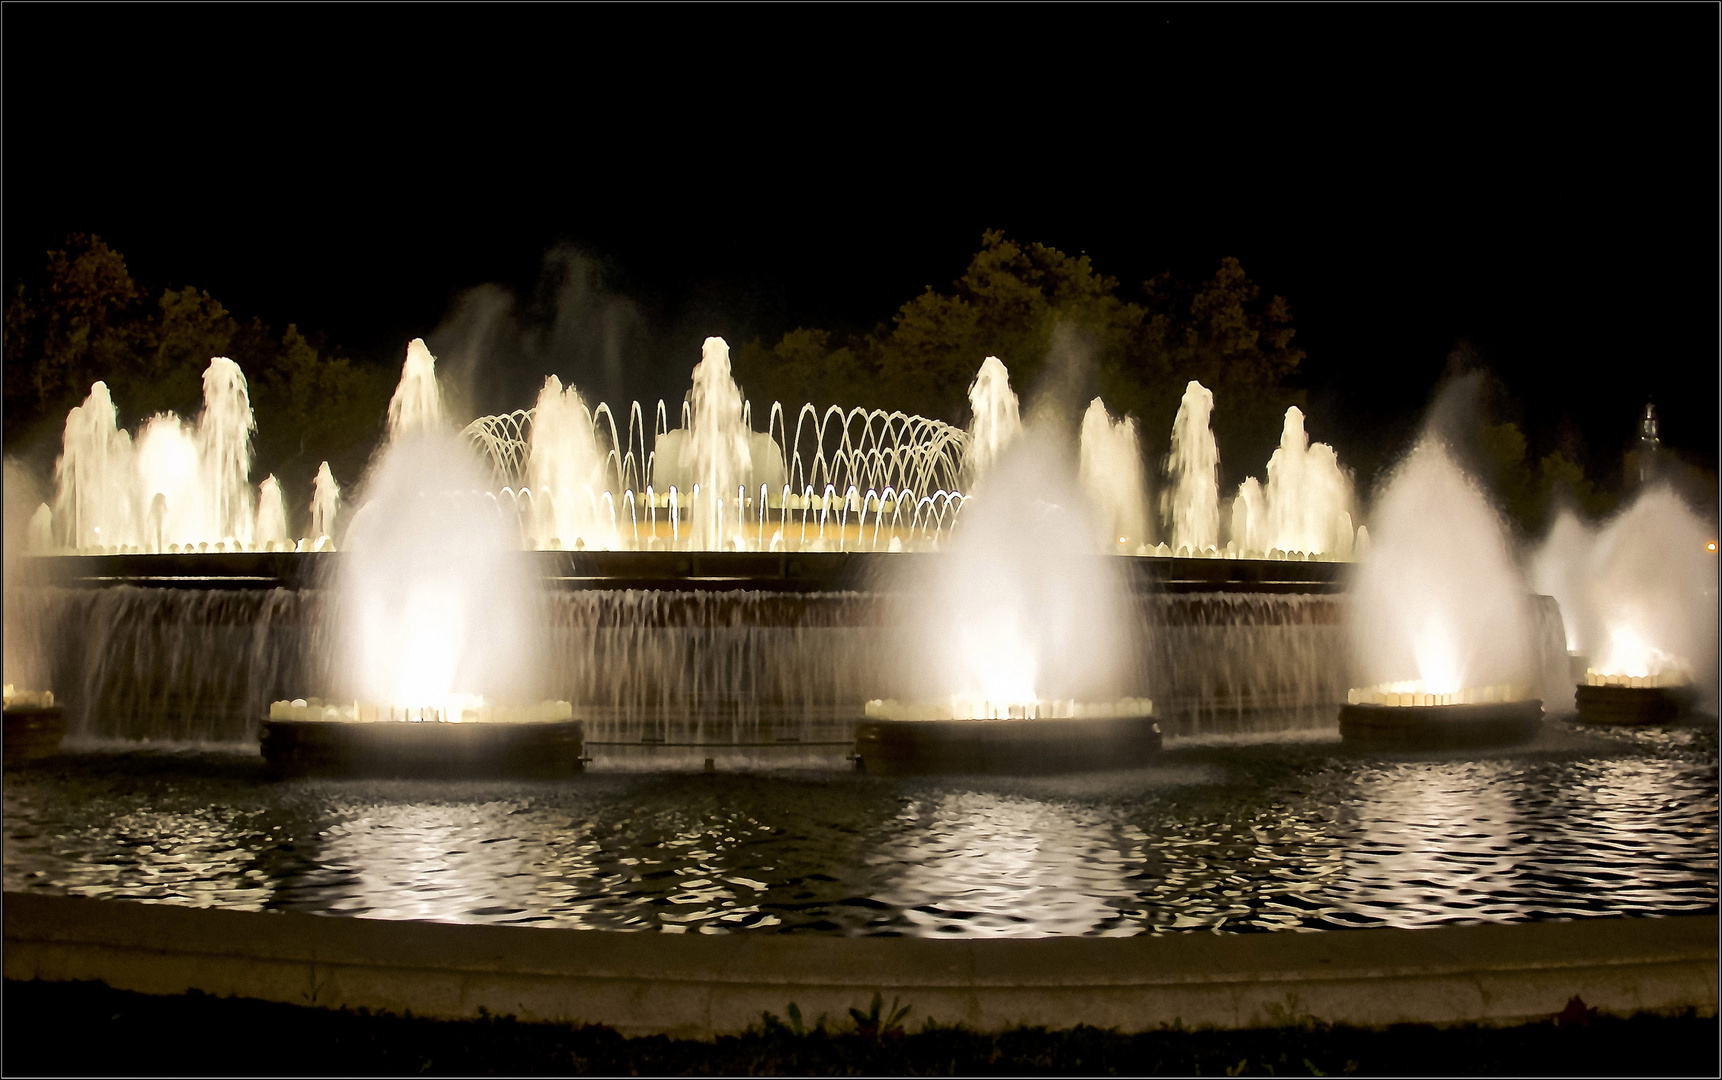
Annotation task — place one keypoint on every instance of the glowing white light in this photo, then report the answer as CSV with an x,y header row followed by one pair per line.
x,y
1437,658
1628,653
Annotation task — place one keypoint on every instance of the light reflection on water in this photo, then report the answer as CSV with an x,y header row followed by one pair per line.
x,y
1295,836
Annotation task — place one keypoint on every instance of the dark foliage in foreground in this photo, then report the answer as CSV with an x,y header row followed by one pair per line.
x,y
89,1029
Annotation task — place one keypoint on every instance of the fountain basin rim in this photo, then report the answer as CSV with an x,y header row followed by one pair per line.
x,y
1632,705
423,748
33,731
806,571
1486,724
1006,747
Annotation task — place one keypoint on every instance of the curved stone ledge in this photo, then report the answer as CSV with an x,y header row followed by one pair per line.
x,y
699,986
806,571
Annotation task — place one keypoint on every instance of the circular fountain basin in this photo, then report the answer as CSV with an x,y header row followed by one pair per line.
x,y
1439,727
431,748
33,731
1006,747
1631,704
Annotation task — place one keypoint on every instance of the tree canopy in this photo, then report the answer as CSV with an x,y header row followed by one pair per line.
x,y
1011,302
87,319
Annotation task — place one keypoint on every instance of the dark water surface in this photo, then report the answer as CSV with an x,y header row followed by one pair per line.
x,y
1298,835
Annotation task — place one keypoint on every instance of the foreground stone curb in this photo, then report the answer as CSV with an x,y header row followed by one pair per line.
x,y
699,986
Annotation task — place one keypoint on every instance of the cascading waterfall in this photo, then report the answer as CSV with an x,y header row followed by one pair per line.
x,y
204,664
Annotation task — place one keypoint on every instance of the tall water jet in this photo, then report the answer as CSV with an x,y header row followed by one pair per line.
x,y
1112,478
94,504
325,506
717,455
1306,504
271,515
417,401
564,471
224,440
1192,504
1439,609
995,422
1250,519
173,492
24,667
1307,493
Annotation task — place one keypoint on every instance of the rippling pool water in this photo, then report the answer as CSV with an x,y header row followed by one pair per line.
x,y
1294,835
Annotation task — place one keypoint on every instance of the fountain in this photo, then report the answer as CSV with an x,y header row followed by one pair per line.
x,y
176,487
1305,509
1442,626
1192,504
34,722
1113,479
655,641
1019,651
434,629
1639,599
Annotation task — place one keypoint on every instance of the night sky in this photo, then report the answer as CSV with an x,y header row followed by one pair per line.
x,y
1539,181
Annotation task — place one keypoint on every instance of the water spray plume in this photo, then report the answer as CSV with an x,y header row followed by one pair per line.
x,y
564,472
1307,493
94,476
435,606
995,421
1020,608
1639,594
271,515
717,455
325,506
1438,604
417,401
1112,478
224,440
1192,506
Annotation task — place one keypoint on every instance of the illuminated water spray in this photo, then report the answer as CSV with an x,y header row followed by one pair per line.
x,y
1192,504
1113,479
435,606
1438,605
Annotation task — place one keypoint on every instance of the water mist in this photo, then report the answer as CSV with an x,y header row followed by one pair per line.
x,y
1438,604
435,605
1020,608
1639,594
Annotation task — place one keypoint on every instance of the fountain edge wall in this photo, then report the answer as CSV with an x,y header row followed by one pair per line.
x,y
700,986
818,571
